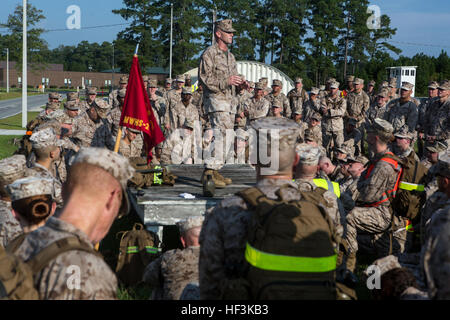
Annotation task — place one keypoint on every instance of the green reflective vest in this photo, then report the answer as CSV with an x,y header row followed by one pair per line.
x,y
328,185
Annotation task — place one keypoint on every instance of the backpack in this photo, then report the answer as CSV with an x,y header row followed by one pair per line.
x,y
411,195
138,247
17,276
290,248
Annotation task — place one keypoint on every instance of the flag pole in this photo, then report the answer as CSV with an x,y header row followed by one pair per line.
x,y
119,132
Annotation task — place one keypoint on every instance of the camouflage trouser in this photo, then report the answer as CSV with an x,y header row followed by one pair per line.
x,y
332,139
220,121
369,230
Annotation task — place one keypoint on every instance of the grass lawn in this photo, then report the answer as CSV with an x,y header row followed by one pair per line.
x,y
14,95
6,146
15,122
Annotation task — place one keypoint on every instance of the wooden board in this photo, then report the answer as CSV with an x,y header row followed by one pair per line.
x,y
158,206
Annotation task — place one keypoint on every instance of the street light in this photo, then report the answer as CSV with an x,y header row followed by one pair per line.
x,y
7,69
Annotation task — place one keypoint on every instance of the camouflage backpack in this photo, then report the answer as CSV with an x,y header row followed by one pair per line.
x,y
138,247
17,276
290,248
411,195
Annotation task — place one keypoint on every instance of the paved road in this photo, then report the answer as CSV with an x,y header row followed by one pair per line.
x,y
12,107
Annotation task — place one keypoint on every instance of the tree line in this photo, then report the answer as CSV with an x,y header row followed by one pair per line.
x,y
314,39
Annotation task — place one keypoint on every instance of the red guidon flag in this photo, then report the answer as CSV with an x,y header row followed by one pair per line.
x,y
137,112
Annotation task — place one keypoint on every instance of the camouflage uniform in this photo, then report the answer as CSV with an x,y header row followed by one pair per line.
x,y
132,150
9,226
332,121
357,106
375,219
287,112
439,125
297,100
97,281
173,97
172,272
179,113
91,134
178,148
309,108
257,108
224,236
39,171
240,100
352,141
216,66
376,111
114,120
402,115
424,113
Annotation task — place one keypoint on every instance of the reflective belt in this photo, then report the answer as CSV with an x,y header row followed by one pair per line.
x,y
411,186
409,226
157,176
328,185
275,262
133,249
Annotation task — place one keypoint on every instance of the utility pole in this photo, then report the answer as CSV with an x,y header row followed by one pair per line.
x,y
24,67
213,24
346,47
7,69
112,80
171,28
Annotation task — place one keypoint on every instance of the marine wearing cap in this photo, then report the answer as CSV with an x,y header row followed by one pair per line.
x,y
113,163
101,107
350,78
123,80
437,147
361,159
52,105
315,90
53,95
30,187
444,164
380,126
277,82
393,83
407,86
334,85
12,168
72,105
372,83
72,96
186,91
180,78
153,83
444,85
91,90
433,85
404,134
308,155
298,80
358,81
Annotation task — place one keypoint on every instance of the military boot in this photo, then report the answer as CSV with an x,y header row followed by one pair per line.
x,y
218,176
351,262
218,183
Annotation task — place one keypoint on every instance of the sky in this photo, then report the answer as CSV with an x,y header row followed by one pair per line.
x,y
422,26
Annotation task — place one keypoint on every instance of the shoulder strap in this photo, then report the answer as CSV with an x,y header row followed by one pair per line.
x,y
14,244
43,258
251,196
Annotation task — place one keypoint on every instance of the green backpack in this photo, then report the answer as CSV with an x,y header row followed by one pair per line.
x,y
138,247
290,247
17,276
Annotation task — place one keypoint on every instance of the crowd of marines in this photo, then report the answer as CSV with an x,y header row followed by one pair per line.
x,y
329,138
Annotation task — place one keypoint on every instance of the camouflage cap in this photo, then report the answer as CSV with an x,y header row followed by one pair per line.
x,y
52,105
384,84
180,78
288,130
322,87
45,138
407,86
444,85
251,84
361,159
189,123
91,90
296,110
53,95
308,155
72,105
115,164
225,25
433,85
122,93
168,80
298,80
277,103
12,168
189,223
341,149
358,81
383,93
145,78
444,164
123,80
315,90
187,76
133,130
102,107
30,187
317,116
372,83
277,82
259,86
350,78
380,125
309,135
186,90
264,80
72,96
393,82
334,85
153,83
403,133
437,146
330,80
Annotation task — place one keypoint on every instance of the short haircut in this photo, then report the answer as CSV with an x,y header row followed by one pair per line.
x,y
34,209
44,153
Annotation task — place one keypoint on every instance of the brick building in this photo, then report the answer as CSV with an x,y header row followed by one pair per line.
x,y
53,75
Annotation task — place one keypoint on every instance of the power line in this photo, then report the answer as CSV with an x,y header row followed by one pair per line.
x,y
65,29
420,44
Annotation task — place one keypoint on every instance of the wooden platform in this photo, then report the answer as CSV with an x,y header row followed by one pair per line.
x,y
159,206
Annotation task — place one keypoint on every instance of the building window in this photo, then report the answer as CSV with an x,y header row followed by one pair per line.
x,y
406,72
413,72
19,79
403,72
